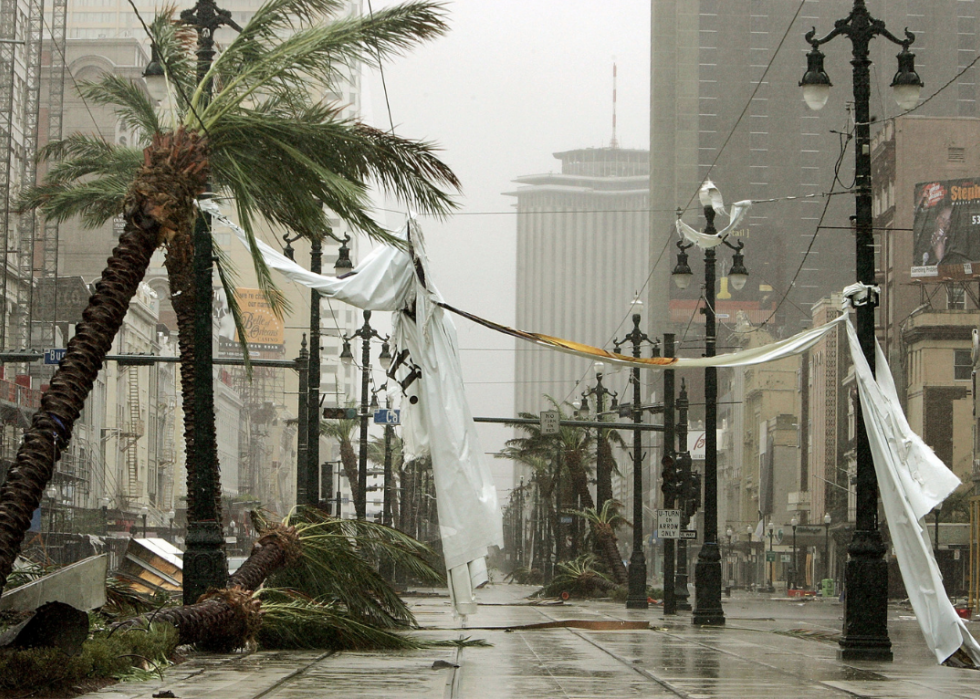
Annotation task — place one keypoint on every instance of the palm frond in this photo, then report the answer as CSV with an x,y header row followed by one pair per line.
x,y
259,60
293,621
95,201
131,104
339,566
227,275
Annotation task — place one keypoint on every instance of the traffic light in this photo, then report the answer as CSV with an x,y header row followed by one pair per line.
x,y
669,477
339,413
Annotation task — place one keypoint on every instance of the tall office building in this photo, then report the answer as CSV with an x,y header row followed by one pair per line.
x,y
582,242
712,59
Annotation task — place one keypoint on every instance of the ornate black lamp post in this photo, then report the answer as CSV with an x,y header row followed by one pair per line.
x,y
205,565
603,470
308,458
826,545
637,597
366,333
769,528
865,632
707,574
667,481
795,579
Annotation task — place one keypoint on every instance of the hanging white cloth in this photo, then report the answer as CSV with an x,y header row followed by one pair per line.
x,y
912,480
704,241
440,423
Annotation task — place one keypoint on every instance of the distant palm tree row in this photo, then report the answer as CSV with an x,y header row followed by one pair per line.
x,y
561,466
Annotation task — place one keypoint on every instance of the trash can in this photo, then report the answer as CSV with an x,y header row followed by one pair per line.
x,y
828,587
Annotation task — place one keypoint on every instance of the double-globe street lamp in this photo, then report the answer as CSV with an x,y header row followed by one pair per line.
x,y
707,572
637,595
308,451
795,578
366,333
865,628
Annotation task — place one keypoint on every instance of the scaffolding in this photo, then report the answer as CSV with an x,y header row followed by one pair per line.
x,y
134,430
56,102
8,50
28,219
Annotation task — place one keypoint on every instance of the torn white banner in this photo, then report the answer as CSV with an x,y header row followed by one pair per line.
x,y
441,422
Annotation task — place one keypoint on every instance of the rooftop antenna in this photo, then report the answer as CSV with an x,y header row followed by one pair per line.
x,y
614,143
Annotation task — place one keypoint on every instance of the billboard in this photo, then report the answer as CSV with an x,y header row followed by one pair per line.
x,y
946,229
263,330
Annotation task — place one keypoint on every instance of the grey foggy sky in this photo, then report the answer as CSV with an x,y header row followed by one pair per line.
x,y
512,83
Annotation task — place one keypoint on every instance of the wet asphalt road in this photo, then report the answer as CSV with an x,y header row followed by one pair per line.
x,y
768,648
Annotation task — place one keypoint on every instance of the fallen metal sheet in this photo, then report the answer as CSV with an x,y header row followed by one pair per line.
x,y
81,584
151,566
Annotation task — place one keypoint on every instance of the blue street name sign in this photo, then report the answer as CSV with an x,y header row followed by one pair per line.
x,y
387,417
54,356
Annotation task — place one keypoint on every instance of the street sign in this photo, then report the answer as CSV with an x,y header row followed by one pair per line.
x,y
549,422
688,534
387,417
668,524
54,355
803,529
770,556
785,558
566,519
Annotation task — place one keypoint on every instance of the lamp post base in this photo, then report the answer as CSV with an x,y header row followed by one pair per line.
x,y
865,633
205,565
707,588
637,597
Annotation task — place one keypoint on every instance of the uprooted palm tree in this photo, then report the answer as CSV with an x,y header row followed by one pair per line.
x,y
263,138
322,589
571,445
342,431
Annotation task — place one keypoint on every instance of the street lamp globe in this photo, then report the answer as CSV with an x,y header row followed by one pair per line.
x,y
385,357
815,83
52,493
794,521
748,531
682,273
155,77
906,85
738,274
346,356
826,518
770,526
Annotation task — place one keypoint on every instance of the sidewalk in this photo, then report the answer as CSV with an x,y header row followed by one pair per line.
x,y
769,648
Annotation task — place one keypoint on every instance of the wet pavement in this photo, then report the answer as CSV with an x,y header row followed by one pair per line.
x,y
768,648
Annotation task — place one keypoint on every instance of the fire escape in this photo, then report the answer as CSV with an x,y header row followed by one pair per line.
x,y
131,434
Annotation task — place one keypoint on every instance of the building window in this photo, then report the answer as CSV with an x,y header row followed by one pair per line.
x,y
955,298
962,365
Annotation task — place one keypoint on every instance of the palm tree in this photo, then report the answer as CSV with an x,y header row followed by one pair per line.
x,y
342,431
263,139
376,454
572,446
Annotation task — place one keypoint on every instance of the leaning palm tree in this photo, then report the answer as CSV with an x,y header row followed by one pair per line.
x,y
342,431
263,139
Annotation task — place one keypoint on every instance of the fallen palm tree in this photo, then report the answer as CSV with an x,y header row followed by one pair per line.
x,y
323,590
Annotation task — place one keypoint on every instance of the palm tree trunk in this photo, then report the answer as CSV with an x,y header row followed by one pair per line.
x,y
180,271
604,537
71,384
160,202
276,548
349,461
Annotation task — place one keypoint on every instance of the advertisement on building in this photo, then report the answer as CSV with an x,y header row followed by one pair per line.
x,y
946,229
264,331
